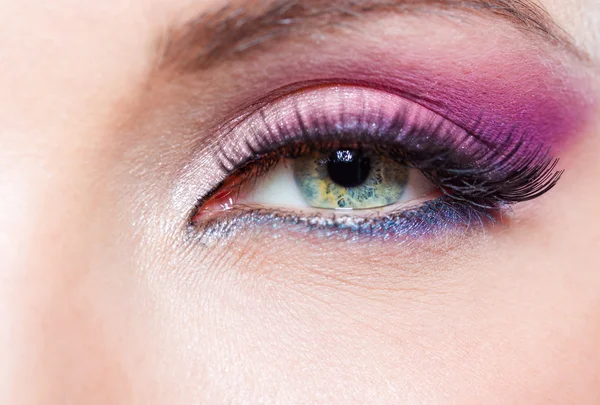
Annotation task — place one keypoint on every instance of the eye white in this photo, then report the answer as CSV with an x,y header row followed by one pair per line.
x,y
278,189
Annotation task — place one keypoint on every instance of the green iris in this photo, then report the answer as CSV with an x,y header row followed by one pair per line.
x,y
349,178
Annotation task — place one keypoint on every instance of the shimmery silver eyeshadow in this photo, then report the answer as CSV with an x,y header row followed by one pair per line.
x,y
430,219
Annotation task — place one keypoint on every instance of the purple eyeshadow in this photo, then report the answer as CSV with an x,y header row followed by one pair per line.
x,y
524,93
352,114
542,112
490,91
339,113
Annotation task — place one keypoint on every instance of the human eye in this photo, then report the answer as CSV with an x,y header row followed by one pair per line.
x,y
354,160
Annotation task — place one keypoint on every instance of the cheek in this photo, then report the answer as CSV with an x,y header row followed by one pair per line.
x,y
262,317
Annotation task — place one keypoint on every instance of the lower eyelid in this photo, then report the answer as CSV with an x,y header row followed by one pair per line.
x,y
431,219
232,209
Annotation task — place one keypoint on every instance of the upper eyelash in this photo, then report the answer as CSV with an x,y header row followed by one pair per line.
x,y
490,177
527,179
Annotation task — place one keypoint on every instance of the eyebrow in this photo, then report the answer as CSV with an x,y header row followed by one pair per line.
x,y
242,26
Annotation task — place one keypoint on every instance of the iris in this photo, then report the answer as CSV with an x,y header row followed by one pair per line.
x,y
349,179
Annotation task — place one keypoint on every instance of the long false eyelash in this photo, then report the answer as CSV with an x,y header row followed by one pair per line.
x,y
527,180
499,179
486,177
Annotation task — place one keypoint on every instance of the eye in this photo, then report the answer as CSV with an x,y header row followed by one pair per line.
x,y
342,179
356,159
350,179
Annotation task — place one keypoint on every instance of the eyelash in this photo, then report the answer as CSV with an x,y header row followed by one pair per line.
x,y
477,180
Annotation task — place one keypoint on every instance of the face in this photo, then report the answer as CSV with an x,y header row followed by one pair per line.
x,y
215,202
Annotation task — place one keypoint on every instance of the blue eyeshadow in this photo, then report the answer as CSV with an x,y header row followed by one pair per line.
x,y
430,219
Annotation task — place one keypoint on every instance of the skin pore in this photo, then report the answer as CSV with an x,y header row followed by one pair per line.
x,y
110,126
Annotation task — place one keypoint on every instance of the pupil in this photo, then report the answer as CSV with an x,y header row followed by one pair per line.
x,y
348,167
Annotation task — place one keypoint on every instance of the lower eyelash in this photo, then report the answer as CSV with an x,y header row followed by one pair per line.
x,y
429,219
470,194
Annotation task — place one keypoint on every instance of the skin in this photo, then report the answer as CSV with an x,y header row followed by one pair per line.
x,y
103,301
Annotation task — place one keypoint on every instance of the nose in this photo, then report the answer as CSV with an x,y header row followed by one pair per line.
x,y
53,339
61,294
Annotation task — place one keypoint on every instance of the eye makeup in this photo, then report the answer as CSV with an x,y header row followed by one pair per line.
x,y
477,174
500,79
481,117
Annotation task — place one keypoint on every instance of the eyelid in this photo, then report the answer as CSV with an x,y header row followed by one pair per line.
x,y
285,120
366,114
483,174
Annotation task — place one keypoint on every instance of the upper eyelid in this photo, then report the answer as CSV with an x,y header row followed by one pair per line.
x,y
486,78
239,28
529,174
395,122
292,112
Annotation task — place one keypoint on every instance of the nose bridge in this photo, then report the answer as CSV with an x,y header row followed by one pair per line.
x,y
60,84
43,189
43,256
66,73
